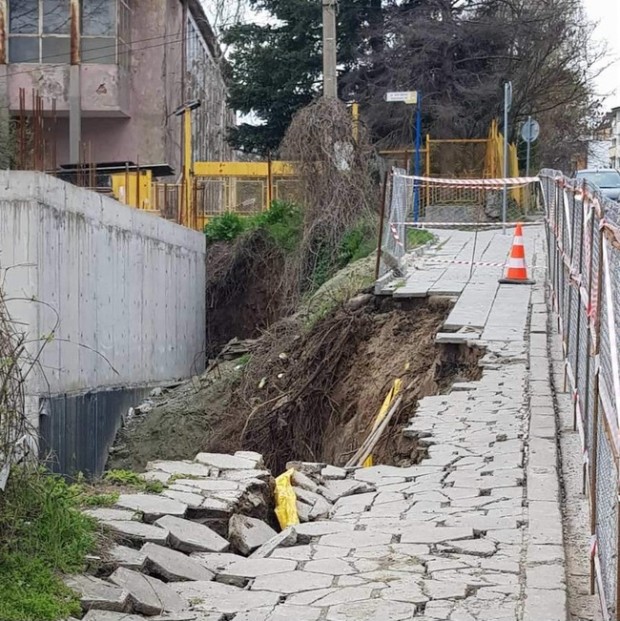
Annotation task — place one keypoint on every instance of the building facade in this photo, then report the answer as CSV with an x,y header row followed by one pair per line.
x,y
115,71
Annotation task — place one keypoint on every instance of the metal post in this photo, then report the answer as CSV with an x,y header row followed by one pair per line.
x,y
355,115
428,169
187,164
75,96
527,165
529,149
387,179
416,170
507,101
330,89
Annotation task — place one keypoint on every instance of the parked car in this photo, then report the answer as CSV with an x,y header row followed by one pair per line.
x,y
606,179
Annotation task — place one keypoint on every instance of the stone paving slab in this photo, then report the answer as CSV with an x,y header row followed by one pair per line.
x,y
189,536
96,593
172,565
148,595
472,533
452,538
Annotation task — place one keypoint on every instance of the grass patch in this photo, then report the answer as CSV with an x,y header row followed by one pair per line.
x,y
42,534
283,222
418,237
128,478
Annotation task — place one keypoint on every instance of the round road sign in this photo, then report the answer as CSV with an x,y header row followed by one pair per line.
x,y
530,130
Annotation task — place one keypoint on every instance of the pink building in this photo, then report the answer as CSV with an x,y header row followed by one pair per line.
x,y
117,70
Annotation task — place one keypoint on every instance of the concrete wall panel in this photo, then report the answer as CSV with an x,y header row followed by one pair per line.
x,y
125,289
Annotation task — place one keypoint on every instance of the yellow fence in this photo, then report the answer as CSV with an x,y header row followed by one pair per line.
x,y
246,188
216,188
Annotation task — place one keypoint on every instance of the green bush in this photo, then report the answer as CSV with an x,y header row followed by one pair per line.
x,y
42,534
357,244
283,222
226,228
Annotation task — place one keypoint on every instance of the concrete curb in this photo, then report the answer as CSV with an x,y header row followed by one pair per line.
x,y
545,563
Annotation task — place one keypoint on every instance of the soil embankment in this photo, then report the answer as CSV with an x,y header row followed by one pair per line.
x,y
308,392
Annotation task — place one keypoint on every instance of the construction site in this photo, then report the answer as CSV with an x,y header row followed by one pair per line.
x,y
354,377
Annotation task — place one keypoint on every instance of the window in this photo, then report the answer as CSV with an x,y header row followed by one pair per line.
x,y
99,31
39,31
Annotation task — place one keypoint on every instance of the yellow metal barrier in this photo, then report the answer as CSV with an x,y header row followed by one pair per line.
x,y
133,188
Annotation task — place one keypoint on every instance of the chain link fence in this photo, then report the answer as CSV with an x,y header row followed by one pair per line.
x,y
583,235
416,202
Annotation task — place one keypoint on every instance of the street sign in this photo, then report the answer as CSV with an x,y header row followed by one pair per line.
x,y
408,97
530,130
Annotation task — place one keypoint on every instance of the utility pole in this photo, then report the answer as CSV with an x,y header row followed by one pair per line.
x,y
330,89
507,105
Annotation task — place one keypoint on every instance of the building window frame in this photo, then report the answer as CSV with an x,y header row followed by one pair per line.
x,y
110,49
41,37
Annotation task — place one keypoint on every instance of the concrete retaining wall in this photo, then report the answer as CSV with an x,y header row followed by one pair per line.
x,y
118,294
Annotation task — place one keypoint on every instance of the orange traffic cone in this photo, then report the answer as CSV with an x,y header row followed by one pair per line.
x,y
516,269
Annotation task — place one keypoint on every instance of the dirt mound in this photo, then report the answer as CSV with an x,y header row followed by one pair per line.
x,y
243,291
322,390
181,423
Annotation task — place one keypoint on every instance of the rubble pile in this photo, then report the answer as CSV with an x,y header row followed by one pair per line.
x,y
189,553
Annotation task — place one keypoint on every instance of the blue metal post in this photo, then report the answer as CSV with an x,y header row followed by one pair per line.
x,y
418,146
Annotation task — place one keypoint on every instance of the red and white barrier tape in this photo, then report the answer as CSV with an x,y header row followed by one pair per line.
x,y
454,261
474,183
395,235
434,225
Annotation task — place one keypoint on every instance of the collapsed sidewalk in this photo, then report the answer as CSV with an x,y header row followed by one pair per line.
x,y
472,532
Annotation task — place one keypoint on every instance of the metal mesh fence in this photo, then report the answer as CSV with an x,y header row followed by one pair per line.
x,y
393,241
584,275
607,517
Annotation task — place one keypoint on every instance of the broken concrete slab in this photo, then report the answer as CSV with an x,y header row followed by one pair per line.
x,y
430,534
303,511
152,506
189,615
320,510
177,468
96,593
241,572
173,566
247,534
303,481
306,532
335,489
333,472
223,598
124,556
286,538
107,615
104,513
147,594
215,562
257,458
189,536
137,532
295,582
371,610
221,461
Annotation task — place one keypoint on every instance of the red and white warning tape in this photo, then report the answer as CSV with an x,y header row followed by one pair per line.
x,y
474,183
434,225
396,236
454,261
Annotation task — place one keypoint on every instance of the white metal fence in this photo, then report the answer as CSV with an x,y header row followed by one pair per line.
x,y
583,234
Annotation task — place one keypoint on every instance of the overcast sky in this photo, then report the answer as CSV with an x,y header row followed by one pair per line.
x,y
607,13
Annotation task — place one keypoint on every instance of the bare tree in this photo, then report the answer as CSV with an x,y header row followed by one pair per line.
x,y
223,14
458,53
